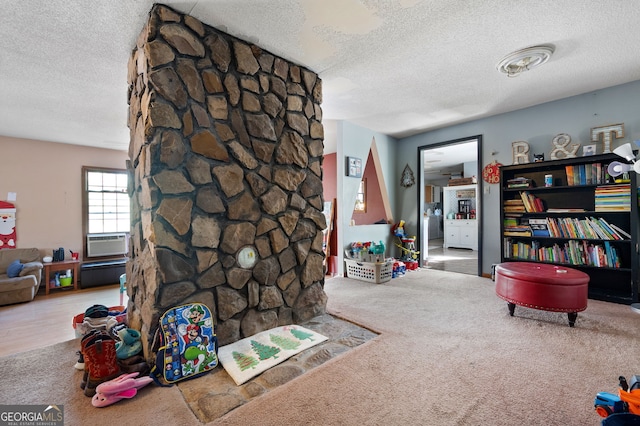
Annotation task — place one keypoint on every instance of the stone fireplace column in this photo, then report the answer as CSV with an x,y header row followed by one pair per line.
x,y
225,165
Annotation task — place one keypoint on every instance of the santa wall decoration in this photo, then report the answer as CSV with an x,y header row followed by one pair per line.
x,y
7,225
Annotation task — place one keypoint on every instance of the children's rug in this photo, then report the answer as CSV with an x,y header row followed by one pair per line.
x,y
249,357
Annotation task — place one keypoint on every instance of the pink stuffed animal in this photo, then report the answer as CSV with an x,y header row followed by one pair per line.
x,y
124,386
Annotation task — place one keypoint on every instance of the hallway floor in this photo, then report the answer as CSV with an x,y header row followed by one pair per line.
x,y
463,261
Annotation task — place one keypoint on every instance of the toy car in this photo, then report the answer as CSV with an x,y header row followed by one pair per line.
x,y
627,400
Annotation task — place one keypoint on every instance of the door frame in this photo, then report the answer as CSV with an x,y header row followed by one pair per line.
x,y
479,195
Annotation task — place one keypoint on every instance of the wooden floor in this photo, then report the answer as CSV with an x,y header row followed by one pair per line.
x,y
48,319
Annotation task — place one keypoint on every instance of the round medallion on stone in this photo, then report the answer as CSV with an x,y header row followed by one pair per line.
x,y
247,257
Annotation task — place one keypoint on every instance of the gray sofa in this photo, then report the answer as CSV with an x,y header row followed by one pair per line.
x,y
24,287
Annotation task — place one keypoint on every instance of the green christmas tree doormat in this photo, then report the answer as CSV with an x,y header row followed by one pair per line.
x,y
251,356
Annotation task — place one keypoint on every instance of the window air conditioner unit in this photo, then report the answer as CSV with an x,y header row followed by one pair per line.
x,y
107,244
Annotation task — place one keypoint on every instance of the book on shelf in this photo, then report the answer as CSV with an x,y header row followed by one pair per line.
x,y
510,222
513,214
567,227
585,229
532,204
621,232
585,174
519,182
514,206
613,198
572,252
554,231
514,209
539,227
564,229
520,230
569,171
582,178
608,229
597,232
507,233
568,210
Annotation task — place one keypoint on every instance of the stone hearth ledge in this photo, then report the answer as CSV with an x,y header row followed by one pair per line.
x,y
213,395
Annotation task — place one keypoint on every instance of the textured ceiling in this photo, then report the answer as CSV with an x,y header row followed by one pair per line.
x,y
398,67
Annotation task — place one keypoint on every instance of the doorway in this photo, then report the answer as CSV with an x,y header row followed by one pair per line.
x,y
450,236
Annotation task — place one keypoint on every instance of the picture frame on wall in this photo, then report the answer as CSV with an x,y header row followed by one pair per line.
x,y
354,167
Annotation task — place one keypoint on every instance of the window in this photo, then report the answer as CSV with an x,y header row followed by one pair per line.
x,y
106,201
361,198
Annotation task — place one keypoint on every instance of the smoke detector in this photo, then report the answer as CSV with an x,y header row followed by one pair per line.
x,y
525,59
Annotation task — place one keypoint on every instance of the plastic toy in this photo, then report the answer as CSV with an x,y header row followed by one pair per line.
x,y
627,400
129,344
376,248
356,248
124,386
407,246
368,251
399,269
398,229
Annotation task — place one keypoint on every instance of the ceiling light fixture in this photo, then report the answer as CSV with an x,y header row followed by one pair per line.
x,y
525,59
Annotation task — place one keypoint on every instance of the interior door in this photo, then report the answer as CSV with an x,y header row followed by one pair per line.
x,y
441,159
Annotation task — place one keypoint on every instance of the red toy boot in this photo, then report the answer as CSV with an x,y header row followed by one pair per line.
x,y
100,361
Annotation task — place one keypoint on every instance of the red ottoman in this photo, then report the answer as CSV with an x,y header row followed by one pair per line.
x,y
542,286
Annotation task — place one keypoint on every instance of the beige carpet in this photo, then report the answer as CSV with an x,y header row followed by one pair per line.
x,y
448,354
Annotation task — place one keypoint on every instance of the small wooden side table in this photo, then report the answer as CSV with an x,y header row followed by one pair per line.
x,y
50,267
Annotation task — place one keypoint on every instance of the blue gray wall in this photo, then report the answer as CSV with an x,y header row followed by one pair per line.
x,y
536,125
355,141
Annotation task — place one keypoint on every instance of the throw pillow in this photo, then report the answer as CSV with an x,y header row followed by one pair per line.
x,y
14,268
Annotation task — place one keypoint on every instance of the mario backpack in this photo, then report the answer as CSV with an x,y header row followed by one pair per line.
x,y
187,344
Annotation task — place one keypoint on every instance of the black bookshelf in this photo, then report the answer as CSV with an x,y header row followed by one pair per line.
x,y
612,264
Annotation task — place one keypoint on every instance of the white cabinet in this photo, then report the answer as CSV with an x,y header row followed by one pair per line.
x,y
454,196
461,201
461,233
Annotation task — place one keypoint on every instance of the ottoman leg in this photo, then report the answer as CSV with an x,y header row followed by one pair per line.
x,y
512,308
572,318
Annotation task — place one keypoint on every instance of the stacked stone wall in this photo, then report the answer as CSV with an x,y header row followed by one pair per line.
x,y
225,153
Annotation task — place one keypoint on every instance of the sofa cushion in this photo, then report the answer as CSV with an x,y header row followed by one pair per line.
x,y
14,268
17,290
31,268
7,256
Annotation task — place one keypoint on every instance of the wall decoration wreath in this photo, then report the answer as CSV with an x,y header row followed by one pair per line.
x,y
407,178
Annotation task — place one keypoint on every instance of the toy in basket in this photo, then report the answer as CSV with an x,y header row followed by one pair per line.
x,y
367,252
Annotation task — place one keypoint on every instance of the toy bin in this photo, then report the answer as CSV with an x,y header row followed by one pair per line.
x,y
370,272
